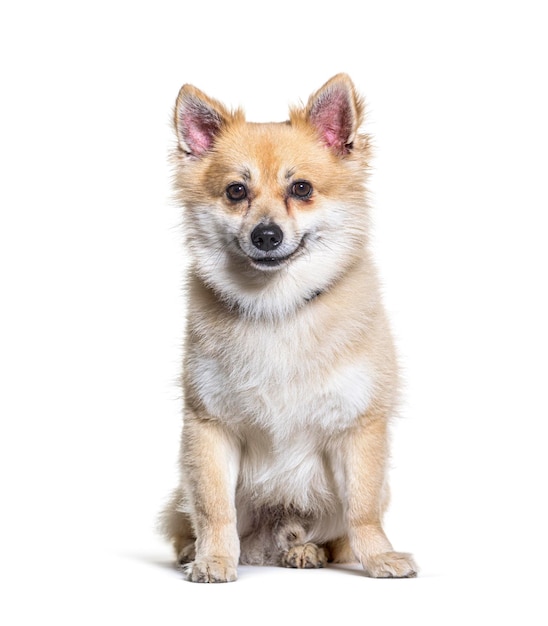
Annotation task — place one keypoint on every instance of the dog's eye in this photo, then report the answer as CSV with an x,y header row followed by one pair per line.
x,y
301,189
236,192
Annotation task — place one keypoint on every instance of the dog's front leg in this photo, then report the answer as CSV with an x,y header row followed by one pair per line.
x,y
366,498
211,462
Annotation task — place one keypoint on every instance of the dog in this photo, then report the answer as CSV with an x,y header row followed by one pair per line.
x,y
290,374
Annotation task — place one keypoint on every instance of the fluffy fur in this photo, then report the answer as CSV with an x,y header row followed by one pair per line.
x,y
290,376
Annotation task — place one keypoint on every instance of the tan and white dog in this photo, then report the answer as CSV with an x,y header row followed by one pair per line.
x,y
290,377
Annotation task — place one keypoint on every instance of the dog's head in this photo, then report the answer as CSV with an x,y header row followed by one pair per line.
x,y
275,212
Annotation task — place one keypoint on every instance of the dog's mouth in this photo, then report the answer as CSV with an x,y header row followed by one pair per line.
x,y
270,261
273,261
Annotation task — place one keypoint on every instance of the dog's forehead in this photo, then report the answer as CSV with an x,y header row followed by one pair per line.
x,y
269,151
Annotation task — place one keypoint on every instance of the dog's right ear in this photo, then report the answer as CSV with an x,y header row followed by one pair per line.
x,y
198,120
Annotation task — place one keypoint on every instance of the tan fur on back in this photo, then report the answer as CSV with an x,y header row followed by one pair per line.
x,y
290,376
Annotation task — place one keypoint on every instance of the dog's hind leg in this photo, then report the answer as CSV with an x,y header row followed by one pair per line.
x,y
295,551
278,536
176,527
305,556
339,551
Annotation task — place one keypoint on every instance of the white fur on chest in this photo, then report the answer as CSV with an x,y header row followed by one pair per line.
x,y
283,379
286,392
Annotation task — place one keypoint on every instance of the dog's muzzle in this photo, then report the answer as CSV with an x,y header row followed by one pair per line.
x,y
266,250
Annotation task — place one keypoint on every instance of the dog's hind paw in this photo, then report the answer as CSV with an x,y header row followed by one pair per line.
x,y
307,556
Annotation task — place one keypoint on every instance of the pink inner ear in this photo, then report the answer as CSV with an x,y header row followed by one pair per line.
x,y
198,135
198,126
332,117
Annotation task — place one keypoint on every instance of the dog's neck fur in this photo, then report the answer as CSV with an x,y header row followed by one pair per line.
x,y
235,307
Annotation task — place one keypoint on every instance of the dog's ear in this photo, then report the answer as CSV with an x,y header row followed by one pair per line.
x,y
336,112
198,120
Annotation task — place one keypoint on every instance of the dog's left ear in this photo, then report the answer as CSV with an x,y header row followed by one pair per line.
x,y
336,112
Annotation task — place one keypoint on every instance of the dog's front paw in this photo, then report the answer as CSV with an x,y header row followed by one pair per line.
x,y
307,556
215,569
390,565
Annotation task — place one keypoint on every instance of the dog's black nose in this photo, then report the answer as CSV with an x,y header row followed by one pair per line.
x,y
266,237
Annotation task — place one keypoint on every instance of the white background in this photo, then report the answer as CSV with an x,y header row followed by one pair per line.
x,y
91,262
